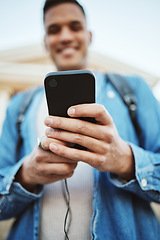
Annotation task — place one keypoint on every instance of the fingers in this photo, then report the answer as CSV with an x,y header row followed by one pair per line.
x,y
96,111
52,169
50,178
96,137
60,169
83,127
40,156
79,126
90,143
91,158
43,167
45,142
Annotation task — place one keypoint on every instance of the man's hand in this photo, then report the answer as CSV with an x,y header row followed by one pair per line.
x,y
106,151
43,167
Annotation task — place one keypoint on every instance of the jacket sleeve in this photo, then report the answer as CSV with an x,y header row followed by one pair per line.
x,y
147,154
14,198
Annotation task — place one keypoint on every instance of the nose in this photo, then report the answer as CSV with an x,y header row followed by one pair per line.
x,y
66,35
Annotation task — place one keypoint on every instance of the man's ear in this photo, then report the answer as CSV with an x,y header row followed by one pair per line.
x,y
89,37
45,43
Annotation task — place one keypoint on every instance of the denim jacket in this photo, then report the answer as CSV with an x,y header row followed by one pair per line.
x,y
121,210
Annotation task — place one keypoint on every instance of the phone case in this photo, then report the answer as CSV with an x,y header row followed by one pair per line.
x,y
67,88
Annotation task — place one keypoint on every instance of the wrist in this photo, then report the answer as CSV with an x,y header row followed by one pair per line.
x,y
21,178
127,170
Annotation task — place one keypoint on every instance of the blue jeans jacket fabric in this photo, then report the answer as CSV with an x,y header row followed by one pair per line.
x,y
120,210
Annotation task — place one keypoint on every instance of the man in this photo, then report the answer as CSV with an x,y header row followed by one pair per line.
x,y
114,180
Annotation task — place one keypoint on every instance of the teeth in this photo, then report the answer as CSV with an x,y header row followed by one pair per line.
x,y
68,51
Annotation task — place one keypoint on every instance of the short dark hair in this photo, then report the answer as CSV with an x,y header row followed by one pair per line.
x,y
51,3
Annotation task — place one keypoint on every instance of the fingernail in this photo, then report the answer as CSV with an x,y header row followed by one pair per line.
x,y
49,132
53,147
71,111
48,122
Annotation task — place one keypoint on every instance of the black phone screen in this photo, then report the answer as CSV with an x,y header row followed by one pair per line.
x,y
67,88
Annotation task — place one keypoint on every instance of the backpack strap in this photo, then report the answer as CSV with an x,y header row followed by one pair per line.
x,y
126,93
24,105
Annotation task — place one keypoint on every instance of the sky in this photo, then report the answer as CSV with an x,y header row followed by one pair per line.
x,y
126,30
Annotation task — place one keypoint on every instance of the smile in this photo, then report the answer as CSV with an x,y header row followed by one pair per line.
x,y
67,51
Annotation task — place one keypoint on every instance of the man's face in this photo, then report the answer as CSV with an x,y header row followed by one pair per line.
x,y
67,38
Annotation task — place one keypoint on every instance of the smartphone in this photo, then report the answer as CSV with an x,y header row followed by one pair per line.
x,y
67,88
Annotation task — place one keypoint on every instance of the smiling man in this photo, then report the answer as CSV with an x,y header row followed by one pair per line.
x,y
67,38
112,183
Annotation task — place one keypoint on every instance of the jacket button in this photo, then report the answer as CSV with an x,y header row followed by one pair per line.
x,y
144,182
8,187
110,94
